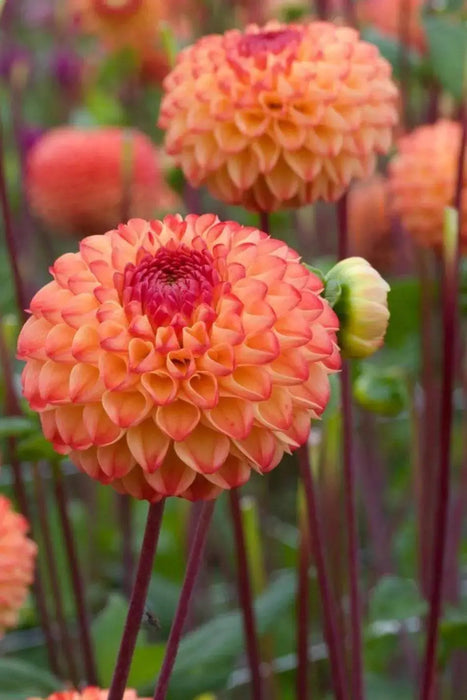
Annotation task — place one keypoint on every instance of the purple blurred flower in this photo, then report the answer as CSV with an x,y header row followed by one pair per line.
x,y
11,57
67,68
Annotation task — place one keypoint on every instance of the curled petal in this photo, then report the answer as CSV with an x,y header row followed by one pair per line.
x,y
172,478
204,450
115,460
232,416
126,408
178,419
100,427
202,389
233,473
148,445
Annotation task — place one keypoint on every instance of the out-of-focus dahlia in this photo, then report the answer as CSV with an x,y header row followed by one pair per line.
x,y
17,558
172,357
369,219
84,181
91,693
278,116
397,19
422,181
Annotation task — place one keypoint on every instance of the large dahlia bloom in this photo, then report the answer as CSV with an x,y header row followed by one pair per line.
x,y
422,181
17,558
397,19
173,357
279,116
91,693
84,180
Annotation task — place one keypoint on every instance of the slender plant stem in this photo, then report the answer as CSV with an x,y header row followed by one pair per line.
x,y
264,222
65,637
246,598
450,338
137,601
350,493
76,577
330,613
321,7
124,504
192,568
303,614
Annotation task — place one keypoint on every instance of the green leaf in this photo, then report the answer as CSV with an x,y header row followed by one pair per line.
x,y
447,40
395,599
107,632
19,679
381,391
316,271
333,292
35,447
16,426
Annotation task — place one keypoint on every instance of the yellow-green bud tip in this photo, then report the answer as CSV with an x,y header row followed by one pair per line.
x,y
361,306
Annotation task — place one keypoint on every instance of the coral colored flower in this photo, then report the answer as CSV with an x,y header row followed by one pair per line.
x,y
17,558
173,357
278,116
369,220
386,17
90,693
422,181
85,181
362,307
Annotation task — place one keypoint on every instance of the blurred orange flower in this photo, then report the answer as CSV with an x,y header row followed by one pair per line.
x,y
90,693
278,116
17,559
85,181
422,181
369,220
172,357
396,19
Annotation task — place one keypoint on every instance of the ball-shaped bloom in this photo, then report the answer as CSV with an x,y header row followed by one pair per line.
x,y
84,180
172,357
278,116
397,19
423,179
17,559
91,693
362,307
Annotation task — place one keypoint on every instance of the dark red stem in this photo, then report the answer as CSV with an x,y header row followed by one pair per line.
x,y
350,493
321,7
450,340
246,598
303,614
330,612
137,601
192,568
76,578
128,560
264,221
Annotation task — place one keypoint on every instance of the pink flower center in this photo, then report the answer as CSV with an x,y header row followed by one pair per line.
x,y
171,284
267,42
118,8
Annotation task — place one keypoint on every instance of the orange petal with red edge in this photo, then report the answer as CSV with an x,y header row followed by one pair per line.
x,y
178,419
204,450
148,445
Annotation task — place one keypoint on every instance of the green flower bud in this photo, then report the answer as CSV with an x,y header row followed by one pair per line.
x,y
361,306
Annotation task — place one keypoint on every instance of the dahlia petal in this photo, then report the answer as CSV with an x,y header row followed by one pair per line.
x,y
72,430
115,373
252,383
135,485
304,164
227,329
148,445
95,249
257,349
204,450
30,384
201,490
31,341
282,180
219,360
126,408
48,301
251,122
229,138
113,336
85,345
161,386
178,419
100,427
257,317
289,368
142,356
172,478
58,343
54,381
233,473
267,152
268,269
243,168
180,364
51,432
259,447
202,390
80,310
289,134
293,330
277,411
85,385
116,460
66,266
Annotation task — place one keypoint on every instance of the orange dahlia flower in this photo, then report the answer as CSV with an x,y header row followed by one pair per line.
x,y
422,181
85,180
369,218
90,693
172,357
386,17
17,558
278,116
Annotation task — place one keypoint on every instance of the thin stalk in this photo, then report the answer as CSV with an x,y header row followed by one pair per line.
x,y
330,612
350,494
65,637
264,221
450,338
321,7
303,615
137,601
76,577
192,568
246,598
124,504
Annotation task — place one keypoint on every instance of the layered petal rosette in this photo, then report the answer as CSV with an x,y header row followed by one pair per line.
x,y
279,116
422,181
91,693
17,559
172,357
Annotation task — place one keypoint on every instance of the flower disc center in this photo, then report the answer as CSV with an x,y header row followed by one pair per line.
x,y
267,42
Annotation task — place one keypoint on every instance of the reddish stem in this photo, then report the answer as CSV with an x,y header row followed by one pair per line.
x,y
264,223
124,503
137,601
303,614
350,493
246,598
192,568
450,338
330,612
76,578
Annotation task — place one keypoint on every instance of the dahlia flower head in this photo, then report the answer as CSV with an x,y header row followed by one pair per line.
x,y
387,18
90,693
173,357
82,181
17,559
423,180
278,116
